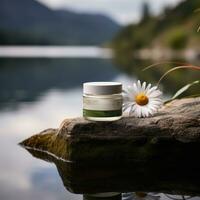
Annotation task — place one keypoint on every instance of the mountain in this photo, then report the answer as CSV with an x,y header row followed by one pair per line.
x,y
29,22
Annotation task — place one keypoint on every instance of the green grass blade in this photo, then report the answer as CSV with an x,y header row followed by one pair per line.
x,y
182,90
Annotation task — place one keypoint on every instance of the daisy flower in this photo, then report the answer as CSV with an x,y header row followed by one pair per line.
x,y
142,100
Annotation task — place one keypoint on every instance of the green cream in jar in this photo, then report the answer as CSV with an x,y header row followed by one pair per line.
x,y
102,101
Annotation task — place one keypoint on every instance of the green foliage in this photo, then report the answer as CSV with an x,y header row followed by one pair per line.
x,y
145,12
177,39
175,28
183,90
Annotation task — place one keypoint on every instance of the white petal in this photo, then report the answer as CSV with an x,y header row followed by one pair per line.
x,y
148,87
135,89
159,104
155,102
139,86
126,106
133,107
150,112
135,111
139,111
151,90
155,99
129,93
152,108
132,110
144,111
143,86
129,89
124,92
155,107
155,93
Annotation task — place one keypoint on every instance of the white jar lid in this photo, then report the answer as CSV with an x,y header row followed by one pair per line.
x,y
102,88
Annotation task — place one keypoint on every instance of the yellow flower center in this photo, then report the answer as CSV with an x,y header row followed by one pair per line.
x,y
141,99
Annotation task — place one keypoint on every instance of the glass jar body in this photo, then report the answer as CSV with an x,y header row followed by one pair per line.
x,y
102,107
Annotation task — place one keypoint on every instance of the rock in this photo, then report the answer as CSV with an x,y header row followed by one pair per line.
x,y
158,154
77,140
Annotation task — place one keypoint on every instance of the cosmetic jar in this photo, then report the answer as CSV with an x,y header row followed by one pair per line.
x,y
102,101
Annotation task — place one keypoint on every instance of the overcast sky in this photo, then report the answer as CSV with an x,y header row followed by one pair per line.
x,y
123,11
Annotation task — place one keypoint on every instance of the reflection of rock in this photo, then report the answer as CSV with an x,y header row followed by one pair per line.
x,y
152,154
140,196
145,196
103,196
148,176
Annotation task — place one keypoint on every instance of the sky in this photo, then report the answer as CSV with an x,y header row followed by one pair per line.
x,y
123,11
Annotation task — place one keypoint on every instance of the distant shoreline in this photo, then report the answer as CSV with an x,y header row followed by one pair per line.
x,y
55,52
189,54
92,52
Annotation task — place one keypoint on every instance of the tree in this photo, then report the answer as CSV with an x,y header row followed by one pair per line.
x,y
145,12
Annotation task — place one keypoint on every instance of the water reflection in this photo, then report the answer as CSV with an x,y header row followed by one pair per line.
x,y
136,196
36,94
96,179
103,196
24,80
22,177
140,196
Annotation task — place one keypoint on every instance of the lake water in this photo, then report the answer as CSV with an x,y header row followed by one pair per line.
x,y
37,94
